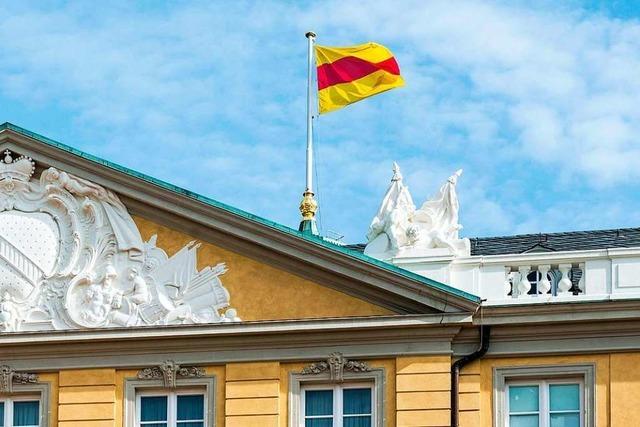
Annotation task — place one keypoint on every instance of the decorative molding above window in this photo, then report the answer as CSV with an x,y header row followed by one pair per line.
x,y
9,377
169,371
71,257
336,365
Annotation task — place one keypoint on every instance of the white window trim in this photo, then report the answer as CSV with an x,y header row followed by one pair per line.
x,y
544,411
135,387
502,377
337,389
37,391
298,382
172,403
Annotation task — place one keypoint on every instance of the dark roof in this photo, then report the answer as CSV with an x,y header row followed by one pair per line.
x,y
555,242
549,242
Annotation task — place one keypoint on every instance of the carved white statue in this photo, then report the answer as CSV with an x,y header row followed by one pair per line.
x,y
399,227
72,257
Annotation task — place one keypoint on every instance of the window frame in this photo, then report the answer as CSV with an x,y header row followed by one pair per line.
x,y
39,391
11,399
528,375
375,378
544,409
172,403
136,387
338,399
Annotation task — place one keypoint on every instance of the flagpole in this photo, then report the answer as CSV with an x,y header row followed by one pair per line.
x,y
309,206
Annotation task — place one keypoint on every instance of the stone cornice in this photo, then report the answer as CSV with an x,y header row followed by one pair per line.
x,y
585,311
300,340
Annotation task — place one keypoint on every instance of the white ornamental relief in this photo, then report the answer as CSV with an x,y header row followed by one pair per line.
x,y
71,257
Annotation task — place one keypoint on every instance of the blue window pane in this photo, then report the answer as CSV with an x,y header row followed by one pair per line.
x,y
26,413
318,402
155,425
191,407
191,424
565,420
564,397
318,422
153,408
1,414
357,422
523,421
523,398
356,401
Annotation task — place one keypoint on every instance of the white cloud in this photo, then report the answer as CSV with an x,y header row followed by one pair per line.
x,y
537,104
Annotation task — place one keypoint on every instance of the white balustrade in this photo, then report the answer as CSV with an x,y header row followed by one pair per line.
x,y
549,279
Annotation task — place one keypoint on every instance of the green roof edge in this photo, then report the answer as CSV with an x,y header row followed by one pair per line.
x,y
246,215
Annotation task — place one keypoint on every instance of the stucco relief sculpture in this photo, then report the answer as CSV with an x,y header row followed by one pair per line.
x,y
399,227
72,257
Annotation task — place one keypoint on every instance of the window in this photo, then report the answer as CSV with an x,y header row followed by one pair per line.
x,y
20,411
148,403
545,403
317,400
183,408
544,396
345,405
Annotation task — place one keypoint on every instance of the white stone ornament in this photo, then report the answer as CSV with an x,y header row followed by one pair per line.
x,y
72,257
399,228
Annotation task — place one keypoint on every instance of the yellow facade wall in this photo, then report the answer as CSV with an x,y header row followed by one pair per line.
x,y
423,387
260,291
87,398
417,391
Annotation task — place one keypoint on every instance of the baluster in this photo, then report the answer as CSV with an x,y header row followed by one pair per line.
x,y
581,281
524,286
508,283
544,285
565,283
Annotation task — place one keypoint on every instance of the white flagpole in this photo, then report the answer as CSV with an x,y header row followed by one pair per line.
x,y
311,38
309,206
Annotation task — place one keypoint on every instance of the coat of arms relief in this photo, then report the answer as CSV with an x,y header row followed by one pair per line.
x,y
71,257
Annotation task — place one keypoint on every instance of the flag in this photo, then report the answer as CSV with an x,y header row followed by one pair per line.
x,y
350,74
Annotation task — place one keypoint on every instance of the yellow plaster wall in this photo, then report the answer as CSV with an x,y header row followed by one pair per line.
x,y
87,398
260,291
625,389
423,387
252,394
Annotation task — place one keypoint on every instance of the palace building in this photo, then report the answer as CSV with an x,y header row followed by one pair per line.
x,y
128,302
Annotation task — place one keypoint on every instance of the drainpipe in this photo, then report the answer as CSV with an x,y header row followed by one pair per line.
x,y
485,337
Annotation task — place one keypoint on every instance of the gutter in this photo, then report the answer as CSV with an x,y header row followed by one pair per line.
x,y
485,338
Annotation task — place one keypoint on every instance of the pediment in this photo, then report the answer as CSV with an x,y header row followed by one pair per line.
x,y
105,274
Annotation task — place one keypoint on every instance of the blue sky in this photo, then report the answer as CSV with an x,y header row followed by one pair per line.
x,y
539,105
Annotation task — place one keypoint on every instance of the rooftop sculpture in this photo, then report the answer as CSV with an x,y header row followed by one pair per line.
x,y
400,229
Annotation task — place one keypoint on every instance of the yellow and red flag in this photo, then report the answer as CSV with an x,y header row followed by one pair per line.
x,y
350,74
